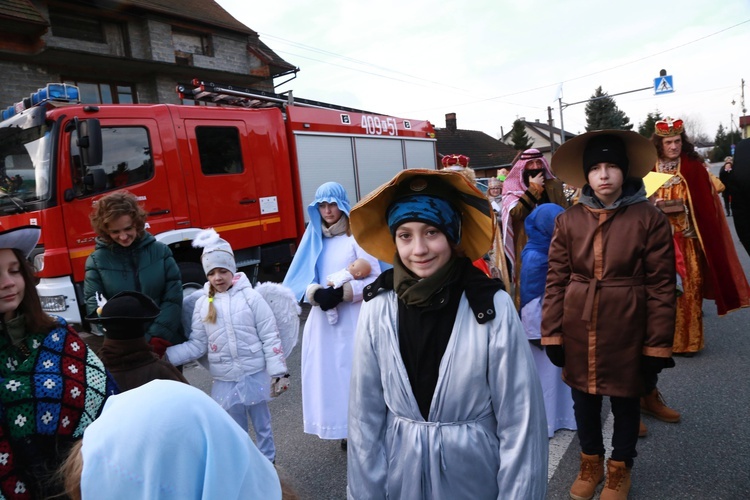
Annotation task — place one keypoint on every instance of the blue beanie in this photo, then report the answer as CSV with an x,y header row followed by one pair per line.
x,y
427,209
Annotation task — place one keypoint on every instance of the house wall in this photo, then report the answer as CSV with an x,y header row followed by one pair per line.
x,y
147,38
20,80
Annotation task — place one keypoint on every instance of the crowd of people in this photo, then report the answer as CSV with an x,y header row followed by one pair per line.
x,y
450,333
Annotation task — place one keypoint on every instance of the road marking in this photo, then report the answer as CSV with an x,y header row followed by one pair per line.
x,y
558,445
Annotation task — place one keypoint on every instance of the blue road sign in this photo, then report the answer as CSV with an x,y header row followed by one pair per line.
x,y
663,85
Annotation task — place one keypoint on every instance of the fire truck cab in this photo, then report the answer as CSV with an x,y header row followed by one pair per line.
x,y
248,173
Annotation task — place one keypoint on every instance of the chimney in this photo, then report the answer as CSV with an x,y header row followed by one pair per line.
x,y
450,121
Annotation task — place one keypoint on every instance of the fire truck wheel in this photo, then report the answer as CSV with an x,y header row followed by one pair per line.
x,y
192,277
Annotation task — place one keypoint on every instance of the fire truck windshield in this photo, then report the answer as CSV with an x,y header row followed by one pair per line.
x,y
24,165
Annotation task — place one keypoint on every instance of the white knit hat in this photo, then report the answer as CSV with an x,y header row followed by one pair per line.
x,y
216,251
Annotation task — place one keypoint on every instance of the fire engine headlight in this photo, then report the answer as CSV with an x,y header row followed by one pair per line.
x,y
39,262
55,303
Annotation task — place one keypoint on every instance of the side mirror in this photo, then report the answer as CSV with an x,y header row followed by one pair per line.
x,y
96,179
89,141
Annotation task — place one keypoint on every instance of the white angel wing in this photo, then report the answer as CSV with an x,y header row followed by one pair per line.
x,y
285,309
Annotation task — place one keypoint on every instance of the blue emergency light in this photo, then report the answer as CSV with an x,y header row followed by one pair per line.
x,y
57,92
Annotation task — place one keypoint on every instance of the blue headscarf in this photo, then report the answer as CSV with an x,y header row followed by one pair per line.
x,y
428,209
540,224
302,270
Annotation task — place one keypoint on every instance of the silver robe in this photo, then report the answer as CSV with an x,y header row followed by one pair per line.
x,y
487,432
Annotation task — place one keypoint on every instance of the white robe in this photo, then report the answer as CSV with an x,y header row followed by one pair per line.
x,y
486,436
327,349
558,402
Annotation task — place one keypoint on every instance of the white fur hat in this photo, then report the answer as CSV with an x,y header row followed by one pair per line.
x,y
216,251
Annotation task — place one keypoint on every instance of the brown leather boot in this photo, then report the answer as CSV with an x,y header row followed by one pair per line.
x,y
653,404
592,473
642,430
618,481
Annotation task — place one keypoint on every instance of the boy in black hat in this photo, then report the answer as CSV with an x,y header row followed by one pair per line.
x,y
611,256
125,353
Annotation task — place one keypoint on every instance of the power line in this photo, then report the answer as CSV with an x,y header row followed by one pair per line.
x,y
495,98
357,61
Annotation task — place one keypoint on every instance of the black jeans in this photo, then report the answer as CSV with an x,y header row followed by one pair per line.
x,y
627,413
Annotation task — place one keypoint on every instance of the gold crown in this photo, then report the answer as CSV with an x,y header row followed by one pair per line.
x,y
669,127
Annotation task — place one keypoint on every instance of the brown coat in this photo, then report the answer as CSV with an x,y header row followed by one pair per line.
x,y
610,295
132,363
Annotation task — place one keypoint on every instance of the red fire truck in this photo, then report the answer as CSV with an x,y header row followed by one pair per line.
x,y
247,168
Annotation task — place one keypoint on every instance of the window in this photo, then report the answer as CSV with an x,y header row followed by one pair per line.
x,y
219,150
105,93
127,160
190,42
67,25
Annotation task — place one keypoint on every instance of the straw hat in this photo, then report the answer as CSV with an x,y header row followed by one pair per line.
x,y
567,162
368,217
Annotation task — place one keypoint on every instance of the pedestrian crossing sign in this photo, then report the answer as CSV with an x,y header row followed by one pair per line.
x,y
663,85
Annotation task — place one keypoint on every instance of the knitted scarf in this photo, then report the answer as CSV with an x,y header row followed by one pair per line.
x,y
339,227
415,291
51,384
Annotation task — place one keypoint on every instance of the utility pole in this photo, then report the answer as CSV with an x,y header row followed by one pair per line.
x,y
551,133
562,126
744,109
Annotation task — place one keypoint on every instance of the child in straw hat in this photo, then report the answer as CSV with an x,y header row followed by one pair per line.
x,y
445,401
611,256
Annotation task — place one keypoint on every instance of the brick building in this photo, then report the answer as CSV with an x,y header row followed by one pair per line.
x,y
129,51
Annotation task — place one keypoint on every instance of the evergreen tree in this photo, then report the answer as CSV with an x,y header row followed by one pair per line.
x,y
723,143
646,129
603,113
519,137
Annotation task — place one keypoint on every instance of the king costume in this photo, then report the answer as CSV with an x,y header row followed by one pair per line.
x,y
705,254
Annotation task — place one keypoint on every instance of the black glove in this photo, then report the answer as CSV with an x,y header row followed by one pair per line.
x,y
556,354
653,365
537,343
328,298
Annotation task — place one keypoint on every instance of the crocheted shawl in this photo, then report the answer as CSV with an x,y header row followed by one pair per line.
x,y
50,384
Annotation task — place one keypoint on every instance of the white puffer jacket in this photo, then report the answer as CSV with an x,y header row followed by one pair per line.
x,y
244,340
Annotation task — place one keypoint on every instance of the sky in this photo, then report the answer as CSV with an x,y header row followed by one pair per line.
x,y
491,62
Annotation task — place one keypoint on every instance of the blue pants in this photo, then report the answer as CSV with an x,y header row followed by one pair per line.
x,y
261,418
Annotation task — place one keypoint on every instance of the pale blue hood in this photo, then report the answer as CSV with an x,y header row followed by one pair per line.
x,y
302,270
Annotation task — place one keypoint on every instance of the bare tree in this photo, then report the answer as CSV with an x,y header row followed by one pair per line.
x,y
695,130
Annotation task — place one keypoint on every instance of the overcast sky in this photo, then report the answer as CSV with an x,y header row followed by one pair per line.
x,y
491,62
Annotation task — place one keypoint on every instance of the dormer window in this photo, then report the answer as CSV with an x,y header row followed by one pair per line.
x,y
187,43
68,25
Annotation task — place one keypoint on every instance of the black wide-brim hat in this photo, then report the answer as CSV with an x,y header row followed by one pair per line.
x,y
370,227
129,306
567,162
